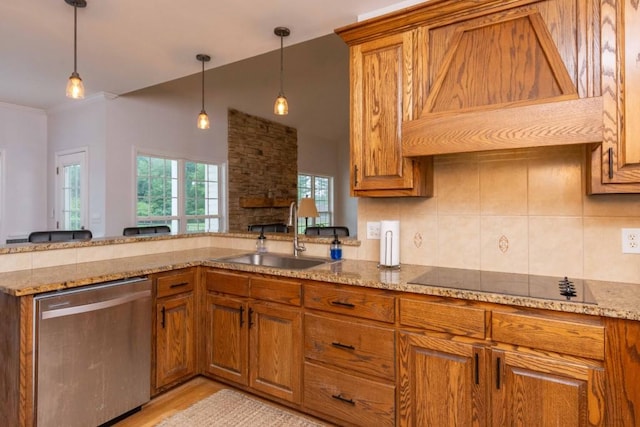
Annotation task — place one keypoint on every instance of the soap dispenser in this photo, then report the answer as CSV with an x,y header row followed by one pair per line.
x,y
336,248
261,243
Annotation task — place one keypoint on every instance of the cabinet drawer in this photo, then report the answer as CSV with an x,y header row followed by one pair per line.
x,y
443,317
364,348
359,302
352,399
579,337
228,283
276,290
175,283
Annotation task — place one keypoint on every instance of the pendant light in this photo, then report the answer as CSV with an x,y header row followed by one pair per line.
x,y
281,107
75,88
203,119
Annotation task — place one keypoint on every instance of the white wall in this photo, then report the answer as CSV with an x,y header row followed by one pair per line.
x,y
158,124
23,141
76,125
162,119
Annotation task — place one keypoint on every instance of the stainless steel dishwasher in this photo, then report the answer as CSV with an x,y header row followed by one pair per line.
x,y
93,353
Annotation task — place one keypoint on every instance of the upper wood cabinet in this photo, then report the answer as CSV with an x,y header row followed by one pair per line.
x,y
451,76
614,165
381,74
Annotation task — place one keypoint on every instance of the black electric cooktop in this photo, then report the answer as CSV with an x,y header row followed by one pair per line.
x,y
526,285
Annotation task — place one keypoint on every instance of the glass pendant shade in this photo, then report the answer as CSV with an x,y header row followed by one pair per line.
x,y
280,107
203,120
75,88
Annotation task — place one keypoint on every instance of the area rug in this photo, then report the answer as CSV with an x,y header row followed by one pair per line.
x,y
227,408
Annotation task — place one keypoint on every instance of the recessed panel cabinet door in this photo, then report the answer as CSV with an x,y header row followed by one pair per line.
x,y
175,339
276,350
615,164
381,74
442,383
535,391
226,338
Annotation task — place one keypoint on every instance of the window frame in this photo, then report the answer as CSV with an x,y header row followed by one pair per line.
x,y
312,192
180,220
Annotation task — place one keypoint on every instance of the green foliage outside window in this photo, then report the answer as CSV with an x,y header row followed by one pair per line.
x,y
158,201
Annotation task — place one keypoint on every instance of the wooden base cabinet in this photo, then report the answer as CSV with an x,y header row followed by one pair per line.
x,y
175,325
443,382
256,343
551,370
442,357
530,390
349,347
463,363
348,398
226,337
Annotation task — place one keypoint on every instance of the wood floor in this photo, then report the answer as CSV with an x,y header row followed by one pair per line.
x,y
171,402
180,398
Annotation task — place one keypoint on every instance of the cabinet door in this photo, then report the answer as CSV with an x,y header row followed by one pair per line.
x,y
381,72
534,391
175,342
226,338
615,165
442,382
276,350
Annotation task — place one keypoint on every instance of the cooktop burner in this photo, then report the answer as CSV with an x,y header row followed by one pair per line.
x,y
526,285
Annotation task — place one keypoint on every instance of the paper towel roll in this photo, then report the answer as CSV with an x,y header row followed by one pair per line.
x,y
389,243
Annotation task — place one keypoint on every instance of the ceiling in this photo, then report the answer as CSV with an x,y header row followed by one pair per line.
x,y
126,45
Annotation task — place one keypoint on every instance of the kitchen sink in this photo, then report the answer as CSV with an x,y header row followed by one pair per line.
x,y
288,262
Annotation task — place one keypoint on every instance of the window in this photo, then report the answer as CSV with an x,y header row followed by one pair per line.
x,y
321,189
182,194
202,186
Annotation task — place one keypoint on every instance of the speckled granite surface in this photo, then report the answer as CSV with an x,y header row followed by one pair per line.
x,y
621,300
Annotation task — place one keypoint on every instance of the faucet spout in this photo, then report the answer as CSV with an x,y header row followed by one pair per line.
x,y
293,222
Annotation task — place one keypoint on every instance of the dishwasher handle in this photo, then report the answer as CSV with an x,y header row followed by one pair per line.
x,y
69,311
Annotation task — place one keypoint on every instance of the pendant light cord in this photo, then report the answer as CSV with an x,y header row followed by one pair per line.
x,y
75,38
203,85
281,65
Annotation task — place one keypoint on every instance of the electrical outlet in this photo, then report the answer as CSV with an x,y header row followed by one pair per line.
x,y
631,240
373,230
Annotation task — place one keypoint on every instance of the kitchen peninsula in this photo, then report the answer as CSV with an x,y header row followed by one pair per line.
x,y
590,348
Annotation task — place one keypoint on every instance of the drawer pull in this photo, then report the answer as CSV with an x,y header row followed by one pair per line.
x,y
163,317
343,346
498,368
177,285
250,317
241,316
343,304
343,399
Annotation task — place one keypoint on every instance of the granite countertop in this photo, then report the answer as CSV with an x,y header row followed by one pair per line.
x,y
609,299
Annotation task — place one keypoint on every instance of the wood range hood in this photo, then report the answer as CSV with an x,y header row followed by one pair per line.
x,y
503,81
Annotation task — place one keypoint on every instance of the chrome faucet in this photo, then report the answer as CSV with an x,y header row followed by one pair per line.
x,y
293,222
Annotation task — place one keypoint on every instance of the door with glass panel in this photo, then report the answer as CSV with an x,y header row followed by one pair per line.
x,y
71,190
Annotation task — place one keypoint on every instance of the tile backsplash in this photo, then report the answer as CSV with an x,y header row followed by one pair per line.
x,y
521,211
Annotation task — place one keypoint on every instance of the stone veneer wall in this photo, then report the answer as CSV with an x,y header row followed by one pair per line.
x,y
263,163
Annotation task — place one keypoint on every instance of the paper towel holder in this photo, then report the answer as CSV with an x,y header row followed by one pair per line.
x,y
389,245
